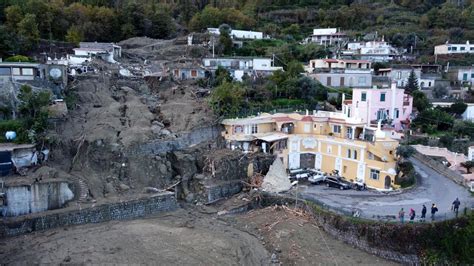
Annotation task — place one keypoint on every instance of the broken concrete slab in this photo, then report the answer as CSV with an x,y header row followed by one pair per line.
x,y
276,180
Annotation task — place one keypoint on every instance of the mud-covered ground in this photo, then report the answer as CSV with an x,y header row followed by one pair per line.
x,y
189,237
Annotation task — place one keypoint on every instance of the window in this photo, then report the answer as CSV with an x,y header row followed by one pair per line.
x,y
399,74
374,174
193,73
307,128
336,129
364,97
362,81
328,82
355,155
344,169
472,75
449,48
16,71
454,48
349,133
254,128
329,149
382,97
397,113
27,71
5,71
464,76
349,155
463,48
472,49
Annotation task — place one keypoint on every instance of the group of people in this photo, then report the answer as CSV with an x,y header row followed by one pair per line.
x,y
434,210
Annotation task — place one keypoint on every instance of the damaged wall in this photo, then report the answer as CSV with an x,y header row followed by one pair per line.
x,y
37,197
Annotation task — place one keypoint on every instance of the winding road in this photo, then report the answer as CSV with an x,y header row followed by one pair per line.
x,y
431,188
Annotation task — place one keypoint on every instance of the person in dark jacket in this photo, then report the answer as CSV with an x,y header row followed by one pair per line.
x,y
412,215
455,207
423,213
434,209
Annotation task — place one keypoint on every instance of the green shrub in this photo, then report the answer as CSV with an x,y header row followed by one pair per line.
x,y
409,174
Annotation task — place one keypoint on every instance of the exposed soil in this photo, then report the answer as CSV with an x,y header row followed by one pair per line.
x,y
295,239
260,237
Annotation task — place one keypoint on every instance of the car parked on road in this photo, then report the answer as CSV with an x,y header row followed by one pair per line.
x,y
337,182
317,177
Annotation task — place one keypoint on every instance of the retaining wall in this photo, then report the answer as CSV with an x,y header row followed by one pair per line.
x,y
439,167
390,241
142,207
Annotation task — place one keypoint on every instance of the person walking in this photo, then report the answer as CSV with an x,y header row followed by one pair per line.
x,y
434,209
412,215
455,206
423,213
401,215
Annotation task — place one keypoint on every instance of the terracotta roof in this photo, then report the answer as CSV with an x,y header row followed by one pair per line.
x,y
283,119
307,119
347,101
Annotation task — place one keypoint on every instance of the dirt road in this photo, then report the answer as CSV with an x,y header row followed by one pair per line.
x,y
187,238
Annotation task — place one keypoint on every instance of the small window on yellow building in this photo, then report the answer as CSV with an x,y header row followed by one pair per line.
x,y
344,169
349,153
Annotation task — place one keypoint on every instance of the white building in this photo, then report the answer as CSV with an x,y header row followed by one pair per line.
x,y
400,74
106,51
329,36
469,113
376,51
334,64
238,66
239,34
448,48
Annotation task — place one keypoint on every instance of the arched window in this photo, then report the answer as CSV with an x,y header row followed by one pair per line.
x,y
348,153
355,154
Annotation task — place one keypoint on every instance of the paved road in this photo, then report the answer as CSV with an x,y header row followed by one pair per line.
x,y
432,188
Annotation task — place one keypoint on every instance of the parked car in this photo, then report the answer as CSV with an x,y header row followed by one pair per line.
x,y
337,182
317,177
298,174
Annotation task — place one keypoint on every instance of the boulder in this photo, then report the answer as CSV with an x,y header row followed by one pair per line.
x,y
276,180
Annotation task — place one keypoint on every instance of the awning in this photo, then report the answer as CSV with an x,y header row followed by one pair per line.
x,y
273,137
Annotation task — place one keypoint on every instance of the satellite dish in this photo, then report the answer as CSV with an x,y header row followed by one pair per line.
x,y
55,73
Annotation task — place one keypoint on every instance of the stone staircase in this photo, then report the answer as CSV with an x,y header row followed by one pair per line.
x,y
82,189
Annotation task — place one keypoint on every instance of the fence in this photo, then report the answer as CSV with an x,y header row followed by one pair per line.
x,y
272,110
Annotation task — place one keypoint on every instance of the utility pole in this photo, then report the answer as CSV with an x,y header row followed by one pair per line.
x,y
213,40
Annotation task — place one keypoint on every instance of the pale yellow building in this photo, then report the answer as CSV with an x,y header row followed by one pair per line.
x,y
323,140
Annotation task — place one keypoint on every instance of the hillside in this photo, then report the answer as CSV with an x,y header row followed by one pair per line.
x,y
417,25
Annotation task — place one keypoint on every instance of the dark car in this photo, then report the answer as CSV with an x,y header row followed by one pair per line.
x,y
337,182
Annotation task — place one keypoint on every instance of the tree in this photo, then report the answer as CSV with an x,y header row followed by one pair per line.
x,y
458,108
227,98
74,34
405,151
33,110
294,69
439,91
420,101
412,84
468,165
28,28
225,41
14,15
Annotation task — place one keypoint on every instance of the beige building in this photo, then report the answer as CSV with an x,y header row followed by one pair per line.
x,y
324,140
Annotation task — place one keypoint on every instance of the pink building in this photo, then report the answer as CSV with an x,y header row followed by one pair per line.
x,y
390,105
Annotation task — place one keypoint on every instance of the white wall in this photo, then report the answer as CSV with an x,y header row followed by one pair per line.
x,y
37,197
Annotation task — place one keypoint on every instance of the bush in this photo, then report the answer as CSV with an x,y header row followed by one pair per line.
x,y
408,178
14,125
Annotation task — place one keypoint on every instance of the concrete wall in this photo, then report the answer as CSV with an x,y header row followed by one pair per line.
x,y
37,197
155,204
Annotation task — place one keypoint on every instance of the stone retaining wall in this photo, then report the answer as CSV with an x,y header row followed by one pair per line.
x,y
142,207
439,167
